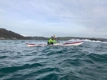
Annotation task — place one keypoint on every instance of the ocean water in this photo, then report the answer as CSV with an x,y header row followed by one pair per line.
x,y
84,62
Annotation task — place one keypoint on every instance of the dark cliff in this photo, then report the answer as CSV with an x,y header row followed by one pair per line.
x,y
6,34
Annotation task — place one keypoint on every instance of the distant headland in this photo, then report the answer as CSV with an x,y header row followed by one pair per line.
x,y
10,35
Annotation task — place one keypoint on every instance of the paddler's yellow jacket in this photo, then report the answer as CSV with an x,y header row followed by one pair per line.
x,y
51,41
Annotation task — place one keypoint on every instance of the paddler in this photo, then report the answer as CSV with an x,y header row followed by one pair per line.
x,y
52,40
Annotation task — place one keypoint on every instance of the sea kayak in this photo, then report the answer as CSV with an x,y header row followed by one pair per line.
x,y
72,43
32,45
57,44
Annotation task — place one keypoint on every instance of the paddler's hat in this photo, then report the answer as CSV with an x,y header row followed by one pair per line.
x,y
54,36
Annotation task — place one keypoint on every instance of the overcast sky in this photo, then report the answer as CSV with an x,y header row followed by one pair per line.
x,y
80,18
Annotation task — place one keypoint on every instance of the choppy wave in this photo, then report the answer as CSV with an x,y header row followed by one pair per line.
x,y
86,40
84,62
